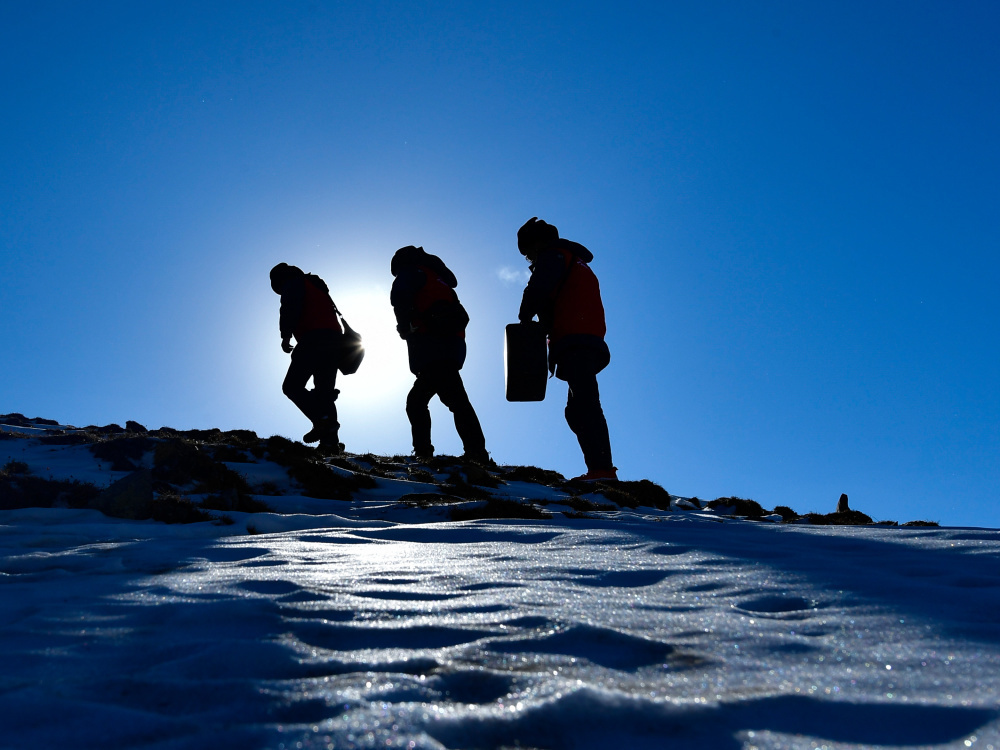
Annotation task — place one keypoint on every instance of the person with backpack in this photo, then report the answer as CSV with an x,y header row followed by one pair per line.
x,y
309,315
432,321
563,292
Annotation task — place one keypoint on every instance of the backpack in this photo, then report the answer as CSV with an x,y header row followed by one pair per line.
x,y
446,318
437,307
352,349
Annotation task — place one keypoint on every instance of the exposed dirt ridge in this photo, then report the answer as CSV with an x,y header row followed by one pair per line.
x,y
181,476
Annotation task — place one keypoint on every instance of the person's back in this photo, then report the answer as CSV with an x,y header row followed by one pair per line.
x,y
428,313
432,321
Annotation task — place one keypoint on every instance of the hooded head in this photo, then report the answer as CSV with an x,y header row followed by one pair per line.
x,y
535,235
280,274
407,256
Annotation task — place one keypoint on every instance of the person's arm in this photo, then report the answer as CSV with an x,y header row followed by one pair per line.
x,y
403,296
547,273
293,300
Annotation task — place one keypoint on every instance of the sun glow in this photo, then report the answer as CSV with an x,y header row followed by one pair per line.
x,y
384,375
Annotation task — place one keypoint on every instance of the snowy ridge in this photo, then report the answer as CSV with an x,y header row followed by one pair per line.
x,y
379,621
237,472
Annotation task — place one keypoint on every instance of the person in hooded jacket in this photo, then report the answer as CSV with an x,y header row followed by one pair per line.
x,y
432,321
310,316
564,294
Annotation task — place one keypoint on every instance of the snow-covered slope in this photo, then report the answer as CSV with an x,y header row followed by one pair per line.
x,y
380,621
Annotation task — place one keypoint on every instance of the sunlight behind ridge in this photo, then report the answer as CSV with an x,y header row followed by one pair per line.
x,y
384,376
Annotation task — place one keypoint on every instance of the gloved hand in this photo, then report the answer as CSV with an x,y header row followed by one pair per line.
x,y
286,346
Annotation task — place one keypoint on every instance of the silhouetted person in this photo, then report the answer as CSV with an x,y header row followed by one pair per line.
x,y
432,321
308,314
565,295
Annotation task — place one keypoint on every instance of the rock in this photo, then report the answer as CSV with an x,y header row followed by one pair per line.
x,y
130,497
124,453
842,506
131,426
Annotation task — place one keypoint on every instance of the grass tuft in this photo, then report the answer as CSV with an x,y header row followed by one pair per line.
x,y
15,467
230,454
498,508
180,463
582,504
172,508
427,499
532,474
740,506
844,518
304,465
456,485
630,494
26,491
786,513
123,453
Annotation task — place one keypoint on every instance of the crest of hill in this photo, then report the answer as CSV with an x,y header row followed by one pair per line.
x,y
185,476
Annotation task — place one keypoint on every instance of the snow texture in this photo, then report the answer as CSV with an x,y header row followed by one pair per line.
x,y
378,623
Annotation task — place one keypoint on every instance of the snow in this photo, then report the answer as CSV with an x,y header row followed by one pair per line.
x,y
370,624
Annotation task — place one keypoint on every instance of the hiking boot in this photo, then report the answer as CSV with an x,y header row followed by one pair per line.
x,y
330,447
320,428
324,428
424,453
595,475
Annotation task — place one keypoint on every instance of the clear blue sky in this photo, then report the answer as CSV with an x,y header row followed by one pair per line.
x,y
793,207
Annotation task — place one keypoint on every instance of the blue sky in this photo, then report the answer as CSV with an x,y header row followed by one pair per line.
x,y
793,207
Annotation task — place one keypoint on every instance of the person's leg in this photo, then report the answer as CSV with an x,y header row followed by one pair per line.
x,y
294,385
584,413
451,391
325,393
417,401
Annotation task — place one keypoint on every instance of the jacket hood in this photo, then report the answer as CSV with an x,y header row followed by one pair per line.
x,y
410,257
574,247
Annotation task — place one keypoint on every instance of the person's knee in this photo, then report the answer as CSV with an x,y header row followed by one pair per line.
x,y
453,394
415,402
455,401
290,388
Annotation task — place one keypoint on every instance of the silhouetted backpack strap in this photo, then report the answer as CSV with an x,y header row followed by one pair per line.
x,y
437,309
352,349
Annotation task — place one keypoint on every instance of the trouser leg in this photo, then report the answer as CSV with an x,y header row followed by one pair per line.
x,y
325,394
417,401
294,386
316,359
585,418
451,391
